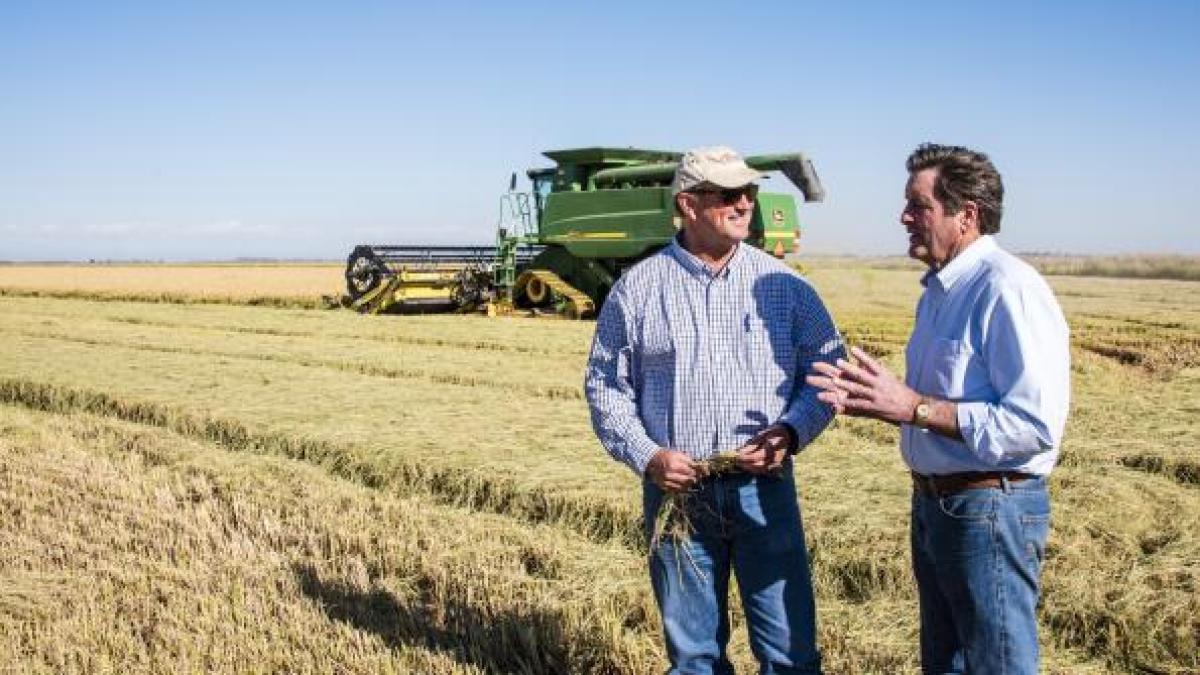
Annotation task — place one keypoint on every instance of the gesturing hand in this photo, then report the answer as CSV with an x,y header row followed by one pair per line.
x,y
865,389
672,470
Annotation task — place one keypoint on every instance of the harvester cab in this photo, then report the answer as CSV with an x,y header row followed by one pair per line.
x,y
561,247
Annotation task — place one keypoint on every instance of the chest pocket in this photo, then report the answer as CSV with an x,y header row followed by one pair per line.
x,y
949,368
769,348
658,348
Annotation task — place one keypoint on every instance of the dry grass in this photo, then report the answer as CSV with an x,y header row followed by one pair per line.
x,y
138,550
286,285
1180,267
481,421
1146,266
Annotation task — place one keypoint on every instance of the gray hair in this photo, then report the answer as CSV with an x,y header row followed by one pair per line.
x,y
963,175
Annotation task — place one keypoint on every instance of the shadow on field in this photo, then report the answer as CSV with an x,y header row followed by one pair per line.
x,y
496,640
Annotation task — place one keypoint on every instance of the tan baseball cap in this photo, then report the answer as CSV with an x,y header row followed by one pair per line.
x,y
715,165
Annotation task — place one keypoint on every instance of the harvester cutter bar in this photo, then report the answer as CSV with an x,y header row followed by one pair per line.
x,y
433,255
443,255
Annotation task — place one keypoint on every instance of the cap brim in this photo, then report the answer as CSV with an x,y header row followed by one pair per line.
x,y
733,177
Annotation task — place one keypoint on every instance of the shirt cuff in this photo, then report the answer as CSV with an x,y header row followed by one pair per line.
x,y
805,424
973,418
793,437
640,453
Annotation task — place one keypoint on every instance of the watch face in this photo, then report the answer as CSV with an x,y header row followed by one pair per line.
x,y
922,414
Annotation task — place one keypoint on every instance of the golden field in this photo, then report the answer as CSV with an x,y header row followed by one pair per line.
x,y
197,484
279,285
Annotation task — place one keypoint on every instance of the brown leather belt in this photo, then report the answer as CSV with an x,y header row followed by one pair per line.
x,y
951,483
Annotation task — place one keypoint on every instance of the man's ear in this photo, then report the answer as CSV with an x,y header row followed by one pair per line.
x,y
970,214
686,204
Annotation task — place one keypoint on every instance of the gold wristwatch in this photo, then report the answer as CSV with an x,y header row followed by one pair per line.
x,y
922,412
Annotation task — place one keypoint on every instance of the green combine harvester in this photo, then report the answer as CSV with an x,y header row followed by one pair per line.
x,y
560,248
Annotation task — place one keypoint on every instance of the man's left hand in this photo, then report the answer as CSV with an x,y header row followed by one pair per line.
x,y
764,454
864,389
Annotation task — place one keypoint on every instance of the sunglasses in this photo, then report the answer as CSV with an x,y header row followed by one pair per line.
x,y
731,196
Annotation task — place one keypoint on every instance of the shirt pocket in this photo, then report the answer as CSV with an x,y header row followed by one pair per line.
x,y
948,366
658,350
656,384
770,349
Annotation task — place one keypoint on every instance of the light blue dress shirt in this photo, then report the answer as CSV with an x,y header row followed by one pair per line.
x,y
990,336
700,362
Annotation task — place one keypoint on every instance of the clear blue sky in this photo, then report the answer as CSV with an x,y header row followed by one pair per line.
x,y
200,130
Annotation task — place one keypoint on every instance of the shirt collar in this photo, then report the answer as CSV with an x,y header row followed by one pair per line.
x,y
962,263
695,266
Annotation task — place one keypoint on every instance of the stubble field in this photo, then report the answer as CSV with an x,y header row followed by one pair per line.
x,y
193,482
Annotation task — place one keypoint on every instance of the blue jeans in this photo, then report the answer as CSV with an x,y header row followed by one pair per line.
x,y
978,556
750,524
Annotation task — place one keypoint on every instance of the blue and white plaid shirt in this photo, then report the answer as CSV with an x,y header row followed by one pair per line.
x,y
700,362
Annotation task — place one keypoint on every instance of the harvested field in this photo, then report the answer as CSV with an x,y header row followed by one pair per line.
x,y
280,285
189,486
1182,267
1177,267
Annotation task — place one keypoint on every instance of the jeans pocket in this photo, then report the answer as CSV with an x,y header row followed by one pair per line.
x,y
768,515
1034,531
969,506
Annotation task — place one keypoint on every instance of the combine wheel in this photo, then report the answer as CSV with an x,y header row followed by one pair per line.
x,y
363,274
537,291
542,287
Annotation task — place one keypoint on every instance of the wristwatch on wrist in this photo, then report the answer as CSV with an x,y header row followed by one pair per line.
x,y
921,413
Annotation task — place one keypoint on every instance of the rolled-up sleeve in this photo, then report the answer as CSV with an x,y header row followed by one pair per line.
x,y
611,387
817,340
1027,352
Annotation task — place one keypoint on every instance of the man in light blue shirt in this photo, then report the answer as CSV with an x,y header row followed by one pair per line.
x,y
981,411
702,348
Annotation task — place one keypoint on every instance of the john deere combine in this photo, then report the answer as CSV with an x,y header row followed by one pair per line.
x,y
561,247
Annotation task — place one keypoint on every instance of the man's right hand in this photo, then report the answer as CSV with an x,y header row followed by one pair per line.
x,y
672,470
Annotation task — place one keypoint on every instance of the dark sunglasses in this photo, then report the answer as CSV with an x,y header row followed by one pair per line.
x,y
731,196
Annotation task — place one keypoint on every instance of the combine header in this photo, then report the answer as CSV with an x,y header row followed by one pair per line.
x,y
561,247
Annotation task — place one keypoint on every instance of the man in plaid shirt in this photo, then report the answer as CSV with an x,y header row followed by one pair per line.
x,y
702,348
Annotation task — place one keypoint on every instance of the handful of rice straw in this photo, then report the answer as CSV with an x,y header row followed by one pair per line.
x,y
672,520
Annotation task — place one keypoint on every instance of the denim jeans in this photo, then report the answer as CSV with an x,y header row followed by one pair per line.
x,y
977,556
750,525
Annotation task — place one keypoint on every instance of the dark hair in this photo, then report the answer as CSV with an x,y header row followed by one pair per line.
x,y
963,175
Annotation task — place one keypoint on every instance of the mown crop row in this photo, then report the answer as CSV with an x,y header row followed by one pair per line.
x,y
135,549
